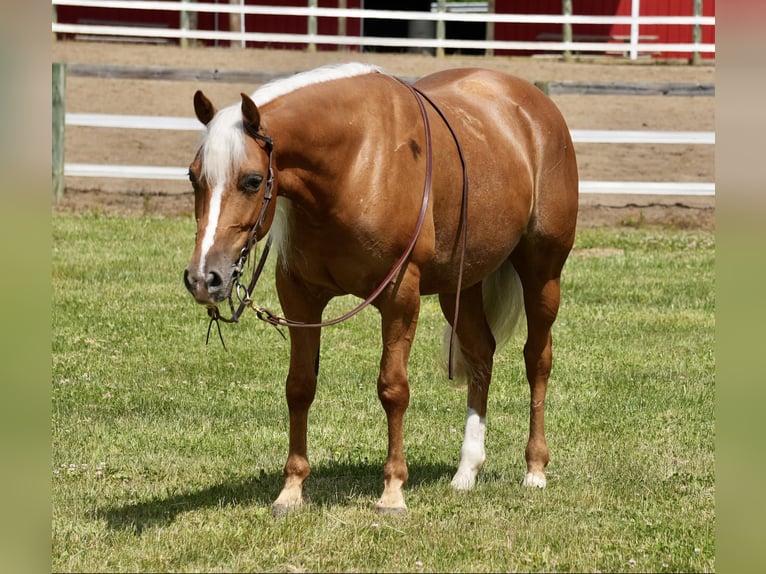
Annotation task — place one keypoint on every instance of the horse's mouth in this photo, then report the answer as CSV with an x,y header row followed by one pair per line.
x,y
211,301
212,288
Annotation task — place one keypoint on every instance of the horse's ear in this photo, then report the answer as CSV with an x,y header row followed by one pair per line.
x,y
203,107
250,114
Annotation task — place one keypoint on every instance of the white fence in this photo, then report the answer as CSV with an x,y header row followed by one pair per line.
x,y
578,136
633,46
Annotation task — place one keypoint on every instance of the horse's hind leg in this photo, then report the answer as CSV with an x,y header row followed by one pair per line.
x,y
477,348
539,266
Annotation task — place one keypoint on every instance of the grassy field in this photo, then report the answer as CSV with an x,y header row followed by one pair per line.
x,y
167,454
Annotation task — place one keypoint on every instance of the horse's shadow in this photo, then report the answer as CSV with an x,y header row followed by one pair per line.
x,y
328,485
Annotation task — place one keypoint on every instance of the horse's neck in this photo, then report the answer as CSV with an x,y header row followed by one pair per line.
x,y
314,145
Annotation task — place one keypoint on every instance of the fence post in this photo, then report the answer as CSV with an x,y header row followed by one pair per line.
x,y
544,87
696,58
312,47
635,12
58,129
236,23
490,33
441,27
54,19
342,25
188,22
566,32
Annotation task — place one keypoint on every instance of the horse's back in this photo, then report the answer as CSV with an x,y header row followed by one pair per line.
x,y
490,92
514,115
520,159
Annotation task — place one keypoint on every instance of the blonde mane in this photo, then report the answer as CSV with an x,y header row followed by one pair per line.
x,y
282,86
223,145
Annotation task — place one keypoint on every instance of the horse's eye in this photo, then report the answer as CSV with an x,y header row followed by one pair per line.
x,y
193,180
251,182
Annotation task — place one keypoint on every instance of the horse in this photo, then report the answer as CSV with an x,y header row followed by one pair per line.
x,y
463,184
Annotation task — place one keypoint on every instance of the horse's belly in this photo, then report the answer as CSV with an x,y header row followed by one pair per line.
x,y
442,274
497,218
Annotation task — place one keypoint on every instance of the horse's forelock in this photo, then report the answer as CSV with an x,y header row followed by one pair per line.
x,y
223,146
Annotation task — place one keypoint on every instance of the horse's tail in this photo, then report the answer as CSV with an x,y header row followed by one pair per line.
x,y
503,298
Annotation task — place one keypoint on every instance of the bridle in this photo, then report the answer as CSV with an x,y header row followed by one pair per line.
x,y
244,292
239,288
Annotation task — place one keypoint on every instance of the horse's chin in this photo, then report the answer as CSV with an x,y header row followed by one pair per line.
x,y
210,303
214,299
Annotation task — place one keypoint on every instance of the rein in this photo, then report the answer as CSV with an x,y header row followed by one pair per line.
x,y
463,224
244,293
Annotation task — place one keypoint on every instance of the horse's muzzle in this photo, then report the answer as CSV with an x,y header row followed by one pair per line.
x,y
207,289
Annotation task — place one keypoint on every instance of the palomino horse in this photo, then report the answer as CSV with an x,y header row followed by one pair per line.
x,y
370,176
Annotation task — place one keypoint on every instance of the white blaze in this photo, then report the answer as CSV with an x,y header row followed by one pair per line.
x,y
213,213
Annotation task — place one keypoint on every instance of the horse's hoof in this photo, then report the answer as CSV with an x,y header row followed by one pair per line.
x,y
534,480
463,481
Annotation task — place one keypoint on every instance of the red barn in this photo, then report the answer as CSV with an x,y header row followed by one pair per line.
x,y
276,24
674,34
617,33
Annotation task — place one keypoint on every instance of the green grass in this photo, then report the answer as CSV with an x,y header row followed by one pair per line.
x,y
167,454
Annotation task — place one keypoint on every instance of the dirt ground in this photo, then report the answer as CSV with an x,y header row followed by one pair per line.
x,y
609,162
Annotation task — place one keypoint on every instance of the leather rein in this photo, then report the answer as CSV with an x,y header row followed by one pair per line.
x,y
244,292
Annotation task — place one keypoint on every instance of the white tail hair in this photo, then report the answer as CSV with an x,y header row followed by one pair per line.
x,y
503,299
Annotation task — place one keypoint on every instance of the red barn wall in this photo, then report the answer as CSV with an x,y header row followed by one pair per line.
x,y
220,22
602,33
550,32
674,34
278,24
505,32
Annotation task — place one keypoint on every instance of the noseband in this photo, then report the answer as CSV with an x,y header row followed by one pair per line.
x,y
244,293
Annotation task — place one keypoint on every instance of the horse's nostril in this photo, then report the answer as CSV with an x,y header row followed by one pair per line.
x,y
187,281
213,280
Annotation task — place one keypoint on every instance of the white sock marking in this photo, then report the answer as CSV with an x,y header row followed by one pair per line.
x,y
472,454
534,480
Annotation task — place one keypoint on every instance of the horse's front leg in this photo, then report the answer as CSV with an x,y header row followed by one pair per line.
x,y
399,308
300,387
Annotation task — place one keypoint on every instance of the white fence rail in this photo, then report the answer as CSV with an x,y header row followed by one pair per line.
x,y
578,136
586,187
633,46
